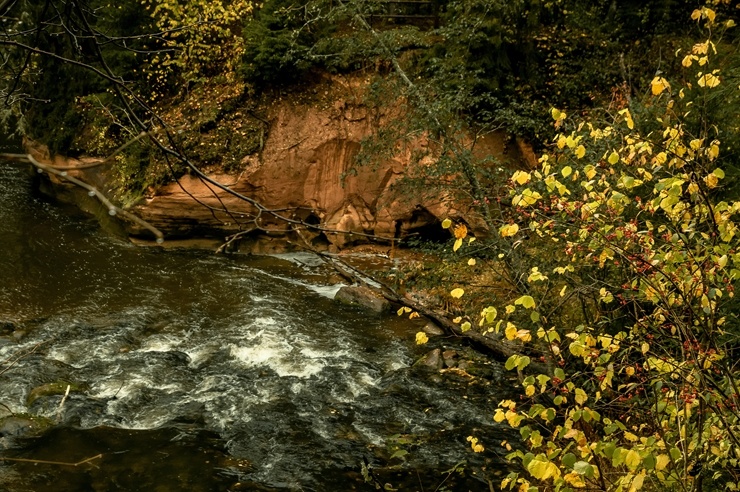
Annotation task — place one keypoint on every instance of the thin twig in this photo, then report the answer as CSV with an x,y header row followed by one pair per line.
x,y
45,462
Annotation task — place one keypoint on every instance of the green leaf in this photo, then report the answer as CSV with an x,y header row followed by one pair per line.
x,y
675,454
569,460
584,468
526,301
399,454
649,462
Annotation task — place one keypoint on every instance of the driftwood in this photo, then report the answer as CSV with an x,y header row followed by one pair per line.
x,y
496,346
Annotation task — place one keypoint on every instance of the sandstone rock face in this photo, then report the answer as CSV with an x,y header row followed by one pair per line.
x,y
307,172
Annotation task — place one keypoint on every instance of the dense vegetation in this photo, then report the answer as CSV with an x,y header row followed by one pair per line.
x,y
628,324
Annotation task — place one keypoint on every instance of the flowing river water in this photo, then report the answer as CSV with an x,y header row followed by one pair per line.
x,y
196,372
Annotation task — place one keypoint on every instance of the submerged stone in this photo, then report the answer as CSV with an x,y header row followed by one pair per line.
x,y
23,425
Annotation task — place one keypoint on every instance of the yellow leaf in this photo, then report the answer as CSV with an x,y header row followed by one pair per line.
x,y
613,158
687,60
630,437
446,224
722,261
524,335
475,446
629,370
421,338
713,151
658,85
471,262
499,416
637,482
580,396
708,80
530,390
632,460
566,171
509,230
458,243
521,177
574,479
580,151
590,171
562,291
696,14
556,114
661,462
510,331
628,118
457,293
465,326
645,347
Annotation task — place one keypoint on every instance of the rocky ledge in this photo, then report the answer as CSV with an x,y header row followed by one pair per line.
x,y
306,170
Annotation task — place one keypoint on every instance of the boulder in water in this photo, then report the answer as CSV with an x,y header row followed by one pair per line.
x,y
432,330
6,327
359,295
23,425
432,360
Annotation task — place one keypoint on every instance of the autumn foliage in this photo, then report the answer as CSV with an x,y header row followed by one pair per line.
x,y
632,307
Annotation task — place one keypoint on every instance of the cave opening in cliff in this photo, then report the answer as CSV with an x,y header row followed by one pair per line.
x,y
421,226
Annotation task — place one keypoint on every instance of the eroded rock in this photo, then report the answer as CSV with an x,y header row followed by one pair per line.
x,y
307,170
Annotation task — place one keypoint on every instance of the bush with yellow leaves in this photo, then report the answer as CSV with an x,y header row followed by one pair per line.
x,y
632,309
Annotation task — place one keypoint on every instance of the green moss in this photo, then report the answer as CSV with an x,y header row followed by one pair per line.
x,y
55,388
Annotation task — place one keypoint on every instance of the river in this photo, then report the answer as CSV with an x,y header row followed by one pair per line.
x,y
197,372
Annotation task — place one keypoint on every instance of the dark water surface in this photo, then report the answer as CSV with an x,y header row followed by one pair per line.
x,y
195,372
